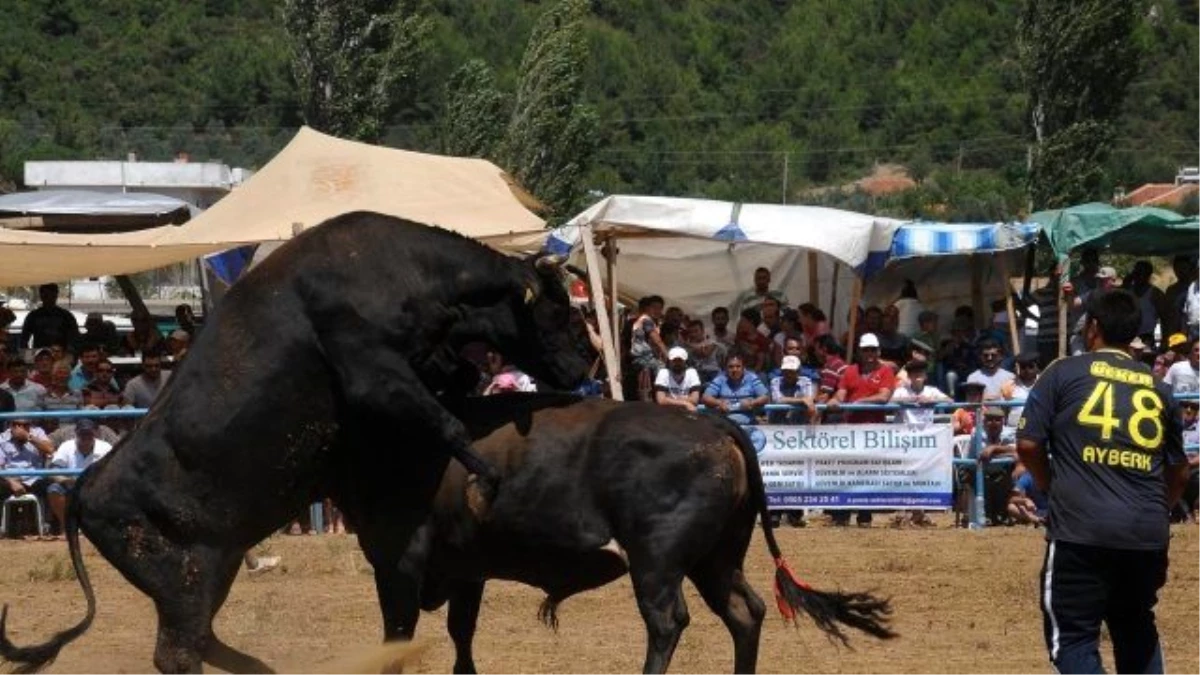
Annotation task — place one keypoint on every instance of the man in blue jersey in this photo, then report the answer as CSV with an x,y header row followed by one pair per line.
x,y
1102,438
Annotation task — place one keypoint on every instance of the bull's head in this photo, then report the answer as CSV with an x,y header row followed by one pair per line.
x,y
544,347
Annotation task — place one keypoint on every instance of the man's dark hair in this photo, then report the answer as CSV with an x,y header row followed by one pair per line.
x,y
645,302
807,308
48,287
926,316
752,316
88,347
719,310
829,345
762,269
692,323
1117,316
817,315
17,362
987,343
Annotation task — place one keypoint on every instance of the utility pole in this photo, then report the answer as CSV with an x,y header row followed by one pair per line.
x,y
785,178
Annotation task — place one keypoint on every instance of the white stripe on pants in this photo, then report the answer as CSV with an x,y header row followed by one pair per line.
x,y
1046,606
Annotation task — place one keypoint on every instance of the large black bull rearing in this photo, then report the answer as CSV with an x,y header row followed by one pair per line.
x,y
306,382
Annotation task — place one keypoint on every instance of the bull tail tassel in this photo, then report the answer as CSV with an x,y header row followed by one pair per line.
x,y
831,610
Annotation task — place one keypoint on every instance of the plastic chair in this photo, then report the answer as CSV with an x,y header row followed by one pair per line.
x,y
23,499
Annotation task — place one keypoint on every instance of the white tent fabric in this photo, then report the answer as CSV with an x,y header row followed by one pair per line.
x,y
314,178
700,254
91,203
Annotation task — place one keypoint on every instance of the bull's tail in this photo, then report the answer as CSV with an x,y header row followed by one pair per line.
x,y
828,609
33,658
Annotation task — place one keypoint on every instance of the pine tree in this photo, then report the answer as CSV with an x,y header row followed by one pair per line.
x,y
551,138
355,61
476,112
1077,60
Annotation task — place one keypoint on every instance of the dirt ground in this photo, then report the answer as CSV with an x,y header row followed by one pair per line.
x,y
965,602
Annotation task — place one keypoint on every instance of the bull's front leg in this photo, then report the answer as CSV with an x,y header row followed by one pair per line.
x,y
461,620
399,572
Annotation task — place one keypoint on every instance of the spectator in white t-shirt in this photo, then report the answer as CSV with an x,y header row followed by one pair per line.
x,y
1184,376
677,384
916,396
141,391
1018,388
78,453
990,374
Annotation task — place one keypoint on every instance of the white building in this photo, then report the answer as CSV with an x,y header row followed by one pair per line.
x,y
201,184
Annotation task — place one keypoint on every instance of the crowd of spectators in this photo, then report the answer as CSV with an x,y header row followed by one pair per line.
x,y
775,353
52,366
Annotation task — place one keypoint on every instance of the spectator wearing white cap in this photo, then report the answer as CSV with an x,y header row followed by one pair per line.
x,y
178,343
791,388
868,381
77,453
1105,279
677,384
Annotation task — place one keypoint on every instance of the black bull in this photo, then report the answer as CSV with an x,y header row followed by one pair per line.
x,y
314,370
592,489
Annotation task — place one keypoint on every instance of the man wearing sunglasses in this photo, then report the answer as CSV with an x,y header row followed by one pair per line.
x,y
24,446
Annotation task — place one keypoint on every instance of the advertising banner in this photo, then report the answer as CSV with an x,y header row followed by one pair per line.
x,y
856,466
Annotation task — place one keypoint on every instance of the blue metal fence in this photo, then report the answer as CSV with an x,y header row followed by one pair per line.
x,y
977,519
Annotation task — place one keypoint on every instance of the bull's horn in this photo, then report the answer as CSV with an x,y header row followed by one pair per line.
x,y
550,261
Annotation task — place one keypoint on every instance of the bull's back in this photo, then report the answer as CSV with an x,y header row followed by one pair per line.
x,y
592,471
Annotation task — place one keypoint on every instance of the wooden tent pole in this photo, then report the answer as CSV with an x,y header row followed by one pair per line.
x,y
1063,304
1010,306
833,296
814,279
614,303
977,292
611,365
855,298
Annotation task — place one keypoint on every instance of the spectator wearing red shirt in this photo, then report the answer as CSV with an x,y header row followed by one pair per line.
x,y
866,382
870,381
829,355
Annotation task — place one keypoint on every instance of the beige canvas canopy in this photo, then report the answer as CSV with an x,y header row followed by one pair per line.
x,y
314,178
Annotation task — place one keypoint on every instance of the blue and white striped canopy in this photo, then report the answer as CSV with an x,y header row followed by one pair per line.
x,y
920,239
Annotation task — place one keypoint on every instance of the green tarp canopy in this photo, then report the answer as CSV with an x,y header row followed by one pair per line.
x,y
1140,230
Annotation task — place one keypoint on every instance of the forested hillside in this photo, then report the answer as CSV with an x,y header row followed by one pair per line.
x,y
748,100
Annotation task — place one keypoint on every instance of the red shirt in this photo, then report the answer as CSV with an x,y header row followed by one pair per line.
x,y
859,386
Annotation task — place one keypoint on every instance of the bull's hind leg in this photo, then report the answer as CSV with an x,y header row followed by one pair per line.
x,y
188,587
727,594
461,620
660,600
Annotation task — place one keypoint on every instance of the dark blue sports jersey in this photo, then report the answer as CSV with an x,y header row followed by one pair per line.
x,y
1110,428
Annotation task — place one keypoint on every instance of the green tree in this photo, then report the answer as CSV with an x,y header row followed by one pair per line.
x,y
476,112
355,62
551,137
1077,59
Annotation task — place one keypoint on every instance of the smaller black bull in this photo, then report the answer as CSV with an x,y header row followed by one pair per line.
x,y
592,489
